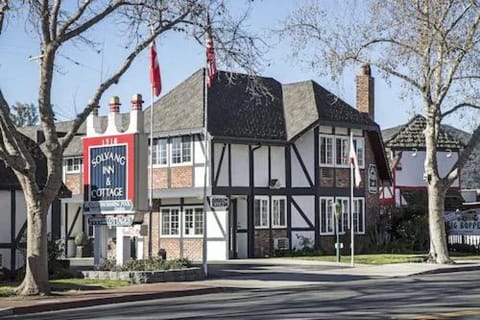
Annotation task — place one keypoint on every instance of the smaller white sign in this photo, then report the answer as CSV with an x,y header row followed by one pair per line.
x,y
120,221
219,202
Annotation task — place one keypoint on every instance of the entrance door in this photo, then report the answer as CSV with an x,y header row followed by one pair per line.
x,y
241,243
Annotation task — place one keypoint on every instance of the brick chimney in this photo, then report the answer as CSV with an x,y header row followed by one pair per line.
x,y
365,91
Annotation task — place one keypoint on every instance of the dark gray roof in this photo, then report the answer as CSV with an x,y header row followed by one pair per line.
x,y
181,108
235,110
411,135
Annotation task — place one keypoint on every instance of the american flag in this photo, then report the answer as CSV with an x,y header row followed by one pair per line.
x,y
211,61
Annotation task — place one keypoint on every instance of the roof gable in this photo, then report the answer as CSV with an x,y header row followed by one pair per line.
x,y
412,135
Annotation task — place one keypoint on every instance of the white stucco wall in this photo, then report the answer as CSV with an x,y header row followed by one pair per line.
x,y
222,166
412,164
278,164
260,164
240,176
305,146
307,204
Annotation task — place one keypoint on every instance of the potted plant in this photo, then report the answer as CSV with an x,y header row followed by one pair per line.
x,y
81,240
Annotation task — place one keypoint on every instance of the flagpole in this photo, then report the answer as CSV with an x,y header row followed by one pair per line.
x,y
150,163
352,253
205,175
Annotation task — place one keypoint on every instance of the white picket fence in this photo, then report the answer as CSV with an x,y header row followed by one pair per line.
x,y
465,239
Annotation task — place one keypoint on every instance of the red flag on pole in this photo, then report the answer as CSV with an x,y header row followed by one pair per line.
x,y
352,159
211,61
155,79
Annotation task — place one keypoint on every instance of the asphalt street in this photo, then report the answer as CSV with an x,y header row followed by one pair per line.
x,y
438,296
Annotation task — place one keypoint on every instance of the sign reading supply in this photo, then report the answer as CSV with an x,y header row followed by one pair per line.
x,y
219,202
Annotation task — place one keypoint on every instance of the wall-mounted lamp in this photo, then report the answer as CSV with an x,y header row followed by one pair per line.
x,y
449,153
414,152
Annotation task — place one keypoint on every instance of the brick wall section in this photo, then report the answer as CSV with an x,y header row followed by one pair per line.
x,y
74,182
192,248
263,247
155,231
160,178
181,177
365,91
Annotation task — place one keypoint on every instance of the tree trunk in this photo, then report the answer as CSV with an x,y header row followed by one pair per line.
x,y
438,240
36,276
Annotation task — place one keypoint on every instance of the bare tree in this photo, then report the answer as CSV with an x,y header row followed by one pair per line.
x,y
24,114
59,24
432,46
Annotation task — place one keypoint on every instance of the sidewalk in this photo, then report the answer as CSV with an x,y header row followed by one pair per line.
x,y
246,274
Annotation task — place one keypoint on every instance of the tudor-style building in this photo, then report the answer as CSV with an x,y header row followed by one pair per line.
x,y
281,158
405,145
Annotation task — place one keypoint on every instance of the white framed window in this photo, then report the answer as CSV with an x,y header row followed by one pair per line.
x,y
359,215
334,150
326,215
359,145
181,150
279,216
341,150
326,150
193,221
170,221
160,152
344,223
73,165
261,212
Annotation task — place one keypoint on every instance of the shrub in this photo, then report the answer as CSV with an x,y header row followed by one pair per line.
x,y
154,264
81,239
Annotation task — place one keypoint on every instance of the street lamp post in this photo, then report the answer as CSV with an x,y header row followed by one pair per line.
x,y
337,210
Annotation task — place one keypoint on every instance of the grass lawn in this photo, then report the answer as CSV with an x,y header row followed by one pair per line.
x,y
71,284
371,258
86,284
386,258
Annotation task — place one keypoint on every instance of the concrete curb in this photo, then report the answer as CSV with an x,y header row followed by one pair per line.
x,y
96,301
451,269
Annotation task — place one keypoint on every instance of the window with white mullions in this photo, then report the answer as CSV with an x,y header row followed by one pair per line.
x,y
160,152
344,223
326,215
326,150
261,212
278,212
193,222
170,221
358,144
181,150
341,151
73,165
359,215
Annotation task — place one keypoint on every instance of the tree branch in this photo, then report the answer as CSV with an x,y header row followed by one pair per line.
x,y
115,78
65,35
54,19
3,11
459,106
